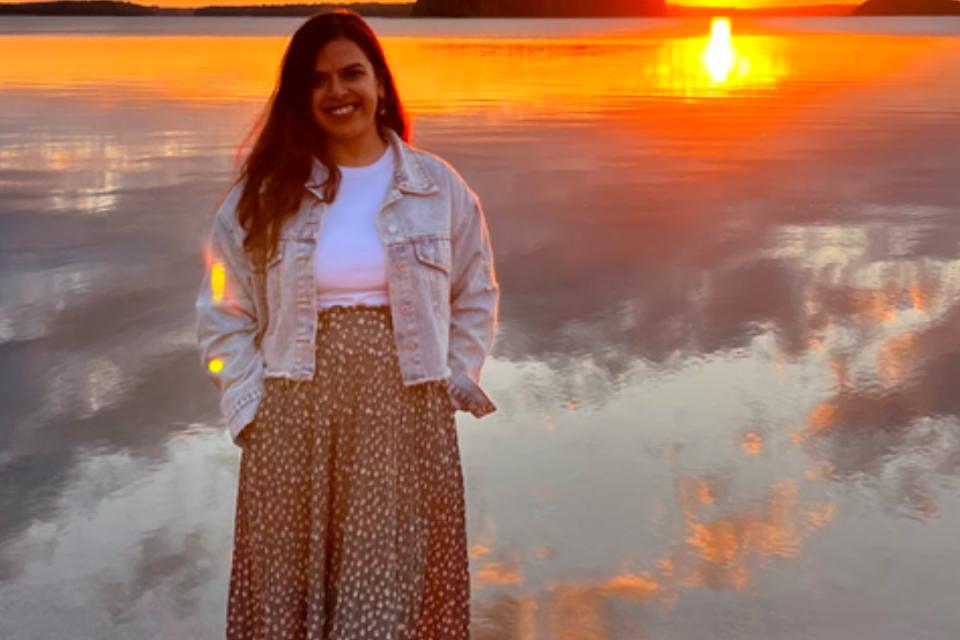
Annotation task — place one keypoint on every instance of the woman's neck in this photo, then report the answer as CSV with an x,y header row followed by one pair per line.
x,y
357,153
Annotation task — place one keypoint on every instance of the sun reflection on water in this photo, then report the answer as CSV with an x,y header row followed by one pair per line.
x,y
720,56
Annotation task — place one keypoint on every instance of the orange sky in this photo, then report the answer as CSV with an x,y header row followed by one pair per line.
x,y
750,4
692,3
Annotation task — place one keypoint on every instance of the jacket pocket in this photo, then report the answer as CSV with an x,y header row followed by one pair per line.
x,y
433,251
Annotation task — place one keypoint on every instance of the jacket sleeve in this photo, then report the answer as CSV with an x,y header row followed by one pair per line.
x,y
227,323
474,302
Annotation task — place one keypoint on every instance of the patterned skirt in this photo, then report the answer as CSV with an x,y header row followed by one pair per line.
x,y
350,519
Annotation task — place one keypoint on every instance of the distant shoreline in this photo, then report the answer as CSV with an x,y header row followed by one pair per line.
x,y
111,8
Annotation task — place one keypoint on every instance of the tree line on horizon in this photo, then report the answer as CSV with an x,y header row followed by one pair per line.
x,y
539,8
123,9
436,8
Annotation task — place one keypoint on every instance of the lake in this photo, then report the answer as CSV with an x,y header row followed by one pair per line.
x,y
728,366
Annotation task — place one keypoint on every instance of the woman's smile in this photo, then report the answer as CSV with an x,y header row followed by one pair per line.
x,y
344,110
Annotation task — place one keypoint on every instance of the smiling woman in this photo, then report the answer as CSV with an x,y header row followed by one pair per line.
x,y
348,306
327,65
347,97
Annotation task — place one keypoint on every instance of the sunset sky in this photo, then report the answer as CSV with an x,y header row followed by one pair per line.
x,y
745,4
749,4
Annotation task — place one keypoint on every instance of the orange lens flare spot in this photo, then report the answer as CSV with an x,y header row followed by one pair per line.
x,y
218,281
215,365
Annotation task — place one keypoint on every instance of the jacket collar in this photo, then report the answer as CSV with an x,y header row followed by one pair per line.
x,y
409,175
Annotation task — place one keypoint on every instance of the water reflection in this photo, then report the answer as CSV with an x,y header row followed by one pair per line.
x,y
729,334
156,579
718,545
541,75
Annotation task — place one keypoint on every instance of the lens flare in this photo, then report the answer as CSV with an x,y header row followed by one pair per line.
x,y
218,281
215,365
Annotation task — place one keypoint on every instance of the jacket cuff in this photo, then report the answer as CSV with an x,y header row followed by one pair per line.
x,y
242,412
467,395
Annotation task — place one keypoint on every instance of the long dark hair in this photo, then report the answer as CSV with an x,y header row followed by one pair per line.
x,y
281,159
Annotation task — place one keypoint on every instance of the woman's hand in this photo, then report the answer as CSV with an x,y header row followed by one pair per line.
x,y
243,438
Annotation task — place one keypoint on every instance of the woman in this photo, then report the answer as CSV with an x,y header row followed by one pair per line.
x,y
348,306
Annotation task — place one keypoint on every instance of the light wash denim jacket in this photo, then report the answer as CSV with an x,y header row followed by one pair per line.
x,y
442,288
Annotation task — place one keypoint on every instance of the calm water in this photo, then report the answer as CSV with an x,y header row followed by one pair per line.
x,y
729,365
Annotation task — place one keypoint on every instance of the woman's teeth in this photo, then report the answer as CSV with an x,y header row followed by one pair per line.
x,y
341,111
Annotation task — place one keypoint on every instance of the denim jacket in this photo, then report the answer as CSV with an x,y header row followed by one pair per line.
x,y
254,324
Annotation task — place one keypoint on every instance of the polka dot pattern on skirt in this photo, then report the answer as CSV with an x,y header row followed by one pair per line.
x,y
350,518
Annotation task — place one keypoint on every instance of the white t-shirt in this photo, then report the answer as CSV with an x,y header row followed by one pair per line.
x,y
350,263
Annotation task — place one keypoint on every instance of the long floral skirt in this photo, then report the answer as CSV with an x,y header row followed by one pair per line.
x,y
350,521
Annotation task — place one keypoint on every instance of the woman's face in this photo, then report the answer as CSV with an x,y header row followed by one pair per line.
x,y
345,91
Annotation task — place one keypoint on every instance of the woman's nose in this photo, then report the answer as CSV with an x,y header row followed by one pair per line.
x,y
337,88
